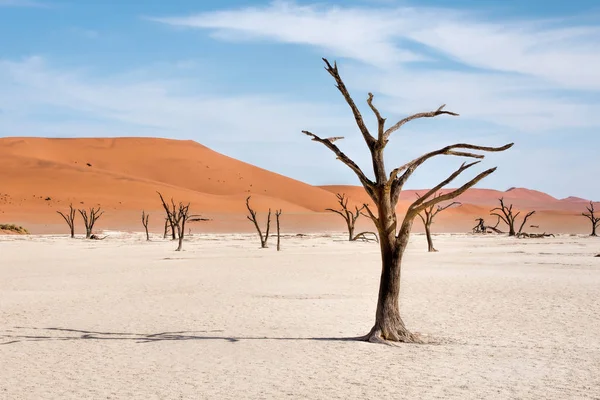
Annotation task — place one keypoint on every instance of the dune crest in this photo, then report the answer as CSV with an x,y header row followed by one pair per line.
x,y
42,175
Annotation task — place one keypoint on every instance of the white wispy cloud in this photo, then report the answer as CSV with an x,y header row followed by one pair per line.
x,y
504,72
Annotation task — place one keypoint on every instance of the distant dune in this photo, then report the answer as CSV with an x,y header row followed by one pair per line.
x,y
40,176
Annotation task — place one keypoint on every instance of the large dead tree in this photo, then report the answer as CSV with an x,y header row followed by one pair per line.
x,y
277,215
177,217
350,217
385,190
252,217
505,213
427,216
592,217
69,219
145,218
89,220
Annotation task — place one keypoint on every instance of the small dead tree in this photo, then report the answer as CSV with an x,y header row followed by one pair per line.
x,y
180,218
69,219
385,192
89,220
277,215
350,217
171,213
482,228
177,217
505,213
252,217
145,218
592,217
427,217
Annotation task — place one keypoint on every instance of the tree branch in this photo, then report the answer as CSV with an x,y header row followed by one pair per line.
x,y
440,185
366,182
380,119
448,150
429,114
333,71
454,193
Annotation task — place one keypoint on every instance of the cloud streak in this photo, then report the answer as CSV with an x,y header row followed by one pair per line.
x,y
524,74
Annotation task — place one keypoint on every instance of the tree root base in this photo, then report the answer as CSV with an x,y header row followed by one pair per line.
x,y
398,336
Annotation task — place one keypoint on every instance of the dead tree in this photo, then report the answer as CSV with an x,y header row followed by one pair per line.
x,y
177,217
171,213
509,218
252,217
591,216
70,219
427,217
145,218
385,190
349,216
481,227
89,220
277,215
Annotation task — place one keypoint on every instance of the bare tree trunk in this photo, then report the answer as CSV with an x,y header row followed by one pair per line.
x,y
388,323
430,247
145,218
180,232
350,231
277,215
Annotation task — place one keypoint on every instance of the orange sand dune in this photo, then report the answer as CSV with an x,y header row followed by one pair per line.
x,y
41,176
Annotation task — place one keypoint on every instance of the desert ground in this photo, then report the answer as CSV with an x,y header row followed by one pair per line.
x,y
128,319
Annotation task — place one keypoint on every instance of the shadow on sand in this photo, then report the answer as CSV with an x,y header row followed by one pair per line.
x,y
24,334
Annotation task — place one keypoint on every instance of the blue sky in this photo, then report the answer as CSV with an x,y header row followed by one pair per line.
x,y
245,77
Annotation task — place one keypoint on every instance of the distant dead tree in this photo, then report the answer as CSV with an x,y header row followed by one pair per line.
x,y
177,217
427,216
350,216
252,217
509,218
592,217
277,215
170,214
384,192
145,218
89,220
69,219
481,227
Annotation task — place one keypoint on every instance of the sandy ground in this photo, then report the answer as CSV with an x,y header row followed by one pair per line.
x,y
126,319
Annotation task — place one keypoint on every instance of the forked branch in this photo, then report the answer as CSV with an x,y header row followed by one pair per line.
x,y
367,183
333,71
429,114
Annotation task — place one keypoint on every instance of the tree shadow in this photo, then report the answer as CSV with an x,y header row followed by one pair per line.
x,y
19,335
